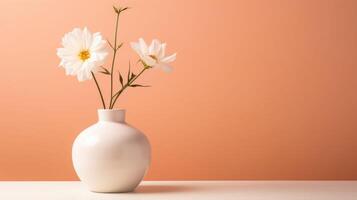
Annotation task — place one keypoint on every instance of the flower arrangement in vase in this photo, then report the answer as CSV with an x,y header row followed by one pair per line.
x,y
110,155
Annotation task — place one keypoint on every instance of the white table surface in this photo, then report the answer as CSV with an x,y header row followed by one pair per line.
x,y
174,190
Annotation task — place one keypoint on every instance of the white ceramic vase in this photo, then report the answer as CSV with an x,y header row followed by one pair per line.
x,y
111,156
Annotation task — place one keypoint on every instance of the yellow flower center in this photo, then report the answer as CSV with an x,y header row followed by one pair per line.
x,y
84,55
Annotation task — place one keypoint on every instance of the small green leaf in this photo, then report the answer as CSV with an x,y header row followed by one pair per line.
x,y
138,85
121,80
122,9
132,76
107,72
116,9
120,45
129,71
104,72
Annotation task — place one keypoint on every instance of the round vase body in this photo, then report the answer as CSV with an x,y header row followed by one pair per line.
x,y
111,156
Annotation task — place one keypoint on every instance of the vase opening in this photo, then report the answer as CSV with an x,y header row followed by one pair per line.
x,y
111,115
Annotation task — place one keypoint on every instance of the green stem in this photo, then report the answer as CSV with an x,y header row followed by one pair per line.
x,y
116,95
113,61
100,92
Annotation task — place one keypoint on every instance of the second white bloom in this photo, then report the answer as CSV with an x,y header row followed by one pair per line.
x,y
153,55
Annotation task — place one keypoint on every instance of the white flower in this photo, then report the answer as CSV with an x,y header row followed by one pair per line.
x,y
154,55
82,53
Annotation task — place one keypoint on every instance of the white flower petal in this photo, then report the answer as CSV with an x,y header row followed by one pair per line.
x,y
161,53
98,43
166,68
65,54
72,68
87,38
143,47
83,74
154,47
136,47
149,61
169,58
76,37
81,77
98,56
74,43
70,71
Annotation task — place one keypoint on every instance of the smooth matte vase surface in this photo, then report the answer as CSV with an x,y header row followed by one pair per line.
x,y
111,156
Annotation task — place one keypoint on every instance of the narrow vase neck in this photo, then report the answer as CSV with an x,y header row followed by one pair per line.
x,y
111,115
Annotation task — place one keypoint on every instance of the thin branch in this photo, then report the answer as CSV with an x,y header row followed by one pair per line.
x,y
116,95
113,61
110,44
100,92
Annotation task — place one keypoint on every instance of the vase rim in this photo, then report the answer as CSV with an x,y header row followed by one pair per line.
x,y
112,109
111,115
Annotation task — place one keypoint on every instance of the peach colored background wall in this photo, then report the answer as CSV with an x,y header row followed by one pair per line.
x,y
261,89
